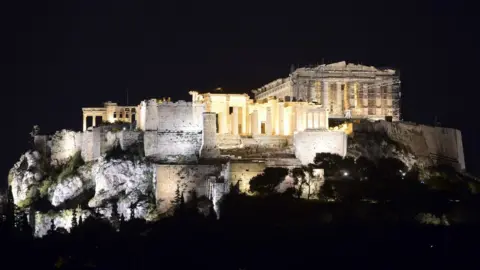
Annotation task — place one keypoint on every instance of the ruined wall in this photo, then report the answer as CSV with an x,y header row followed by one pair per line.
x,y
189,177
91,144
180,116
172,147
439,145
309,143
127,138
241,172
64,144
209,147
173,131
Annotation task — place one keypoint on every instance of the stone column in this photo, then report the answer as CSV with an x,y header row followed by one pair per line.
x,y
298,112
254,123
321,120
94,121
84,122
325,95
293,120
307,115
244,119
227,112
338,105
235,121
389,96
281,110
268,124
209,137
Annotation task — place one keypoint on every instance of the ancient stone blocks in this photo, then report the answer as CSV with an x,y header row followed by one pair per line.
x,y
309,143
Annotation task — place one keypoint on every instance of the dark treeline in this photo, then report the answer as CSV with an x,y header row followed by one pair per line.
x,y
356,220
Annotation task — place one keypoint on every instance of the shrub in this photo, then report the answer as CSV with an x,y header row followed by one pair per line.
x,y
72,165
46,184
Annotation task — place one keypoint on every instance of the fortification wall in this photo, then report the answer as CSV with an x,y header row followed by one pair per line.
x,y
188,178
91,144
172,147
180,116
177,116
64,144
127,138
439,145
241,172
309,143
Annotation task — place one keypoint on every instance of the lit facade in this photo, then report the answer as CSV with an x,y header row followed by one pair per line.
x,y
344,90
237,114
110,112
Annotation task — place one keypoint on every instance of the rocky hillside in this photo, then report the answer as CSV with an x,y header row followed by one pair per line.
x,y
117,178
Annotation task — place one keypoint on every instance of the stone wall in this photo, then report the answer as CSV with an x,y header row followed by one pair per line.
x,y
209,147
310,142
91,144
188,177
180,116
241,172
439,145
128,138
64,144
172,147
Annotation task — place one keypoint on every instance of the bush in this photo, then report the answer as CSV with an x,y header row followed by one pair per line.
x,y
46,184
72,165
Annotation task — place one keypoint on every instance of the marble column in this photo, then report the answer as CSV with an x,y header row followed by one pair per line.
x,y
325,95
339,103
307,122
94,121
225,115
244,119
235,121
281,127
298,114
254,123
84,122
268,125
321,120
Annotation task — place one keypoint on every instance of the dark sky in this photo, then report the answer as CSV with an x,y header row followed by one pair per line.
x,y
60,56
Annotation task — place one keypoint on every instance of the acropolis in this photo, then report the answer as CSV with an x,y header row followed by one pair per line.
x,y
218,140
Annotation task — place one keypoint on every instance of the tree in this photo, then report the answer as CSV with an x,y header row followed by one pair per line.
x,y
10,210
265,183
132,211
115,216
25,226
74,218
330,163
327,192
80,220
365,168
52,227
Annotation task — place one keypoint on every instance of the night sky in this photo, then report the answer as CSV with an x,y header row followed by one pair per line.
x,y
61,56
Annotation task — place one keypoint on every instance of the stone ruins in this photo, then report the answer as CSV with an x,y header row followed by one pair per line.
x,y
218,139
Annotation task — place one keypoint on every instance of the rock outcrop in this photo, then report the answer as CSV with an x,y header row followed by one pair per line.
x,y
25,177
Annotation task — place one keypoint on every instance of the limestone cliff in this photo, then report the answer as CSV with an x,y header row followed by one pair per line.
x,y
425,145
54,186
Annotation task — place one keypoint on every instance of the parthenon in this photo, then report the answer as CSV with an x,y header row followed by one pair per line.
x,y
344,90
